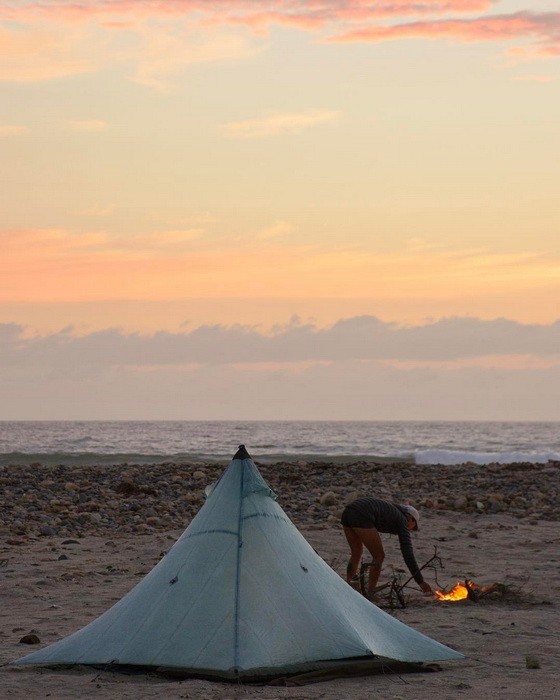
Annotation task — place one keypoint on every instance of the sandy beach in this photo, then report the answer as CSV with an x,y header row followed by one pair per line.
x,y
74,540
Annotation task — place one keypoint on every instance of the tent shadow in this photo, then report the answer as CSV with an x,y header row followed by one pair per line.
x,y
326,671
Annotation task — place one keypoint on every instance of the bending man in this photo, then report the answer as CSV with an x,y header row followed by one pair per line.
x,y
363,520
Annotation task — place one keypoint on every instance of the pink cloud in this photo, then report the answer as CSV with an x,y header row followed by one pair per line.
x,y
307,15
174,34
544,27
306,12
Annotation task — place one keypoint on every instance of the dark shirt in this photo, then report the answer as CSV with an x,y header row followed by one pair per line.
x,y
390,518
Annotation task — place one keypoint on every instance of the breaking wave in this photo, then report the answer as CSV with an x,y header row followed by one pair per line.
x,y
448,457
156,442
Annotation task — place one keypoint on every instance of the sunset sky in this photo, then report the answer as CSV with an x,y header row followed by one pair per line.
x,y
280,209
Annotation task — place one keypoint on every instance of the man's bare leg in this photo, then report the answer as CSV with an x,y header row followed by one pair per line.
x,y
372,541
356,549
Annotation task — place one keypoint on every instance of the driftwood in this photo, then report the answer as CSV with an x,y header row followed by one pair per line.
x,y
434,562
468,590
395,589
475,592
392,588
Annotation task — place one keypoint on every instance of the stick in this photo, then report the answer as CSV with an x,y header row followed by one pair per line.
x,y
435,558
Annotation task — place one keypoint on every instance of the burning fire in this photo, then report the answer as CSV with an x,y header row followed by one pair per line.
x,y
458,592
469,589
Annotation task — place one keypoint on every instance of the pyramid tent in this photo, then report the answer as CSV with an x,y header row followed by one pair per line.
x,y
241,594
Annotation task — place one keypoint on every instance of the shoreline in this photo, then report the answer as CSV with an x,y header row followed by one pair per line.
x,y
94,459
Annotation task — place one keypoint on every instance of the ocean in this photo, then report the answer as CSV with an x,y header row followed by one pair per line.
x,y
142,442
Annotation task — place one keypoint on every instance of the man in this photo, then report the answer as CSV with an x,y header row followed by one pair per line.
x,y
363,520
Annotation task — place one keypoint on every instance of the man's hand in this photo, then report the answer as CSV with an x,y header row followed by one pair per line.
x,y
426,588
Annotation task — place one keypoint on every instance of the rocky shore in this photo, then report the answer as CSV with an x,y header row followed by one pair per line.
x,y
119,500
75,539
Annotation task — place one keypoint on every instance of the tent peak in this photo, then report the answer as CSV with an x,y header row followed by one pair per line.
x,y
242,453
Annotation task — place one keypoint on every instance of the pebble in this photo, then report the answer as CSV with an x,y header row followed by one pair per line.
x,y
112,501
47,531
460,503
328,499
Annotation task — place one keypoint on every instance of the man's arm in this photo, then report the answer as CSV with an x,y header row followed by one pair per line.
x,y
407,552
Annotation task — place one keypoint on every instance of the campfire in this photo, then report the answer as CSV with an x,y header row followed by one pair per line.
x,y
467,590
393,590
458,592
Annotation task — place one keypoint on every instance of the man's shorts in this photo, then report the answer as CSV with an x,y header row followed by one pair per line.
x,y
353,518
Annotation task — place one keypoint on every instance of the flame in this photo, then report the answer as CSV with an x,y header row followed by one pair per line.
x,y
458,592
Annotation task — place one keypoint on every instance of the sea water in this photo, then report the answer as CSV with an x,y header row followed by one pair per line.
x,y
425,442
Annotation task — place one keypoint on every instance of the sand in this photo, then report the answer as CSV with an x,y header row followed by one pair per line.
x,y
501,636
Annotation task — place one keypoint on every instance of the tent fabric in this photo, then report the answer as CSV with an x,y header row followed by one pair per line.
x,y
241,593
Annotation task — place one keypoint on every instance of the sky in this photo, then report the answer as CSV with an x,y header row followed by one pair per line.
x,y
280,209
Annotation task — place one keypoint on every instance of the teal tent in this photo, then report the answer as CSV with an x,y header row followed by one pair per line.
x,y
241,595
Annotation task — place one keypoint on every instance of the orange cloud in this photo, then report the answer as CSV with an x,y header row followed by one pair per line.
x,y
44,50
11,130
278,124
534,78
504,362
58,266
36,53
165,51
87,125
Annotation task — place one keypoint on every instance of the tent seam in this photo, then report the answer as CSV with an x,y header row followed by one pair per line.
x,y
238,572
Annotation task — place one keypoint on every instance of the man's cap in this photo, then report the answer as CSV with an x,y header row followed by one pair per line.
x,y
411,510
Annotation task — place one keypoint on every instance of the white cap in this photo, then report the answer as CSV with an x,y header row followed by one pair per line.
x,y
411,510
